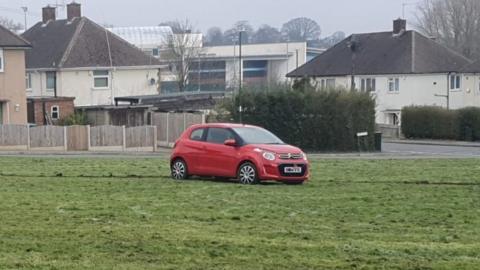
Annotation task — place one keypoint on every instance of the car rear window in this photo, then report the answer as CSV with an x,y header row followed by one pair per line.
x,y
197,135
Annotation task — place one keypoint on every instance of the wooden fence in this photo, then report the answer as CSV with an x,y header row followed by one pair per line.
x,y
171,125
78,138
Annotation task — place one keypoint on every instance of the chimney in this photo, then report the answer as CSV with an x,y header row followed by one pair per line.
x,y
48,14
399,26
74,10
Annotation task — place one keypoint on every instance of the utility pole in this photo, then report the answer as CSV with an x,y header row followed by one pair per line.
x,y
25,10
240,74
352,45
296,54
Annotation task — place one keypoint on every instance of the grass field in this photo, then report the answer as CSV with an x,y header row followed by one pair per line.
x,y
127,214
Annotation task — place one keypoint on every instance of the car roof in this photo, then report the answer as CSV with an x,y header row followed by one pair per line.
x,y
221,125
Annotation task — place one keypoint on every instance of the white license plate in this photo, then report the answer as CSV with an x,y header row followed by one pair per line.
x,y
292,169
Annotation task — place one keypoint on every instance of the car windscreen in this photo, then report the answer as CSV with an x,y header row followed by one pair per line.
x,y
254,135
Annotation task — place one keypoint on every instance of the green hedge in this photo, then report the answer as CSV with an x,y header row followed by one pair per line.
x,y
430,122
316,121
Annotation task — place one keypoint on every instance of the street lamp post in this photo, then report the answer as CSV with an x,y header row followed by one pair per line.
x,y
240,71
25,10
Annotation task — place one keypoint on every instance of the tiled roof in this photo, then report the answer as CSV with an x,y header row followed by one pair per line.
x,y
383,53
10,39
80,43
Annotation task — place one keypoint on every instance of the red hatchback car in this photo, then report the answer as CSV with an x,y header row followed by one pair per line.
x,y
248,153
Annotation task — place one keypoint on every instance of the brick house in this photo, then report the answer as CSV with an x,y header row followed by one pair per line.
x,y
49,110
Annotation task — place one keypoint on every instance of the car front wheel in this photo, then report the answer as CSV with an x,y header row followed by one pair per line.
x,y
247,174
179,170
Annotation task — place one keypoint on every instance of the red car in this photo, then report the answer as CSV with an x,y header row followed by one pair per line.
x,y
248,153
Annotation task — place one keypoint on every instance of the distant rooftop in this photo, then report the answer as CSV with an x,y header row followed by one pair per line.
x,y
142,35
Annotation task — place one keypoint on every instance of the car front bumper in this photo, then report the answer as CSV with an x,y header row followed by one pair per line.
x,y
275,171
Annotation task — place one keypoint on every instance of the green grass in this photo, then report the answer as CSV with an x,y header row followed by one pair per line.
x,y
127,214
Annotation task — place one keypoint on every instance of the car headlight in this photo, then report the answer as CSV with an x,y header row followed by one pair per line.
x,y
304,156
268,156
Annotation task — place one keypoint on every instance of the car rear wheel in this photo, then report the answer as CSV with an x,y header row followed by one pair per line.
x,y
247,174
179,169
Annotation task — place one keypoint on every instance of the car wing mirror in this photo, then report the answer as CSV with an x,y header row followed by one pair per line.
x,y
230,142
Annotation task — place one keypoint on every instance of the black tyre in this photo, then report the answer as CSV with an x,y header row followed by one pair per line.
x,y
247,174
179,169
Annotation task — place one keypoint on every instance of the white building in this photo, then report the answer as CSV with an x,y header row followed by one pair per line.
x,y
152,40
78,58
217,68
399,68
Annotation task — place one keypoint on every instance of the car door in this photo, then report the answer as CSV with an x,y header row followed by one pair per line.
x,y
194,150
220,159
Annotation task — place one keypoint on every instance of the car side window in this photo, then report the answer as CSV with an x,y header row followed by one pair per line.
x,y
197,135
219,135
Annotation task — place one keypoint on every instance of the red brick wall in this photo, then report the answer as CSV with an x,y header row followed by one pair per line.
x,y
66,108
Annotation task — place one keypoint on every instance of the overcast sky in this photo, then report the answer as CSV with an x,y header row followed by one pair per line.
x,y
350,16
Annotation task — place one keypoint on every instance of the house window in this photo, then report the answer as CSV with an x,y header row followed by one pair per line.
x,y
368,85
100,79
394,85
330,83
51,78
55,112
28,80
1,60
327,83
155,52
455,82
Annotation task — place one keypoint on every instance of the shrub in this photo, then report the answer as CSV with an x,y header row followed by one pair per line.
x,y
468,122
77,118
319,121
429,122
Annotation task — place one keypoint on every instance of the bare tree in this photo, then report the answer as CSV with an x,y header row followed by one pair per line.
x,y
184,47
232,34
455,23
267,34
176,26
301,29
214,36
11,25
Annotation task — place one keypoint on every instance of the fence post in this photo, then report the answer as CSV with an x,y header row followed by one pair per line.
x,y
168,128
203,118
124,146
28,137
184,121
65,142
154,138
89,144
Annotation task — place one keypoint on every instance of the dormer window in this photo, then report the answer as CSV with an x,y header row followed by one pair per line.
x,y
455,82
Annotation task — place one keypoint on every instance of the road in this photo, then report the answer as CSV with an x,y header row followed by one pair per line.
x,y
402,149
391,150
